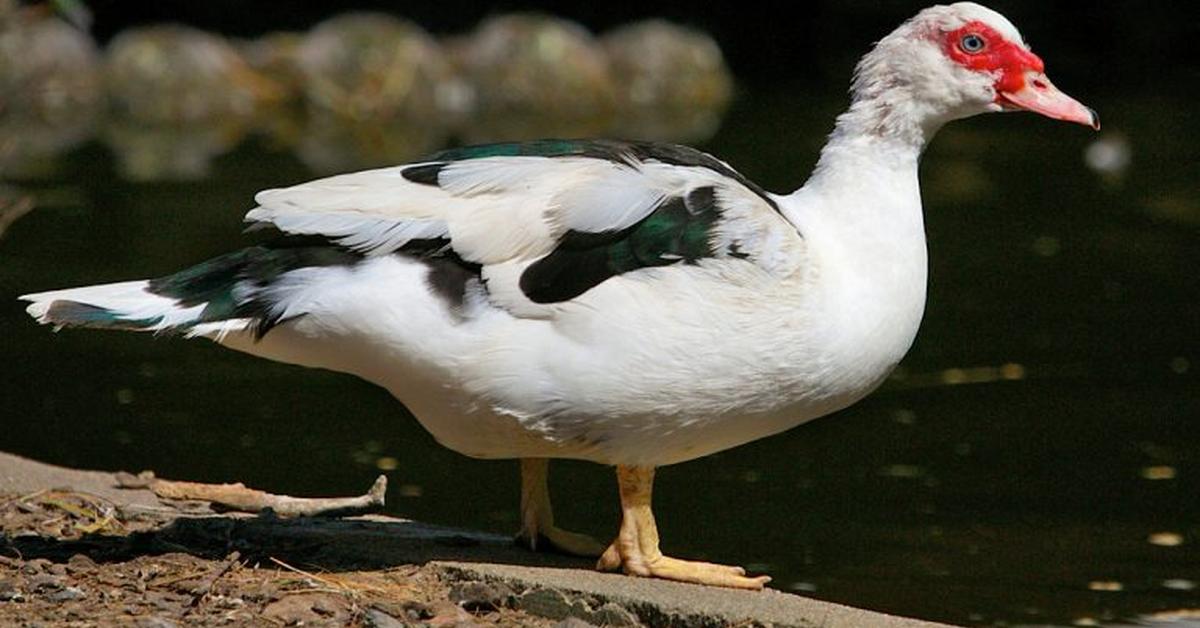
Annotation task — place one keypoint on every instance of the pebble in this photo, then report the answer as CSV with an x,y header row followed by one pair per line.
x,y
614,615
46,583
67,595
375,618
545,603
35,566
9,592
481,596
416,611
573,622
80,563
155,621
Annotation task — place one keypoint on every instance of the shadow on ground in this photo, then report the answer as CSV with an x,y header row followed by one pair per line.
x,y
314,543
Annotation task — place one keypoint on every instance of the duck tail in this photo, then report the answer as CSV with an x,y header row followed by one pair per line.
x,y
127,305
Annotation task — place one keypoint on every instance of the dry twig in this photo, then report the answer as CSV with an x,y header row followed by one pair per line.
x,y
240,498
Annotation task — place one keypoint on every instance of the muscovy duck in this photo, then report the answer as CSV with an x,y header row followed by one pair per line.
x,y
632,304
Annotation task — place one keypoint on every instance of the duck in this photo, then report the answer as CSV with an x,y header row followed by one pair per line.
x,y
628,303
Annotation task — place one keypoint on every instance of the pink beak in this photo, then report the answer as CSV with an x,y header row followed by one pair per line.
x,y
1039,95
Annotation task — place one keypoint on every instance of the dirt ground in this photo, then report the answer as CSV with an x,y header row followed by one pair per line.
x,y
71,559
97,548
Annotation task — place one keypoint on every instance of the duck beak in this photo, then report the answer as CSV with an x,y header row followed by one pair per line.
x,y
1039,95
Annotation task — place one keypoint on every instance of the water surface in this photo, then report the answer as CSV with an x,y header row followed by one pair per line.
x,y
1034,460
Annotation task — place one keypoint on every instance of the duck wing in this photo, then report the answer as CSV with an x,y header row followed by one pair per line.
x,y
544,222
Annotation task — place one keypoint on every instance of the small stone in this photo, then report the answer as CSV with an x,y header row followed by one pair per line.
x,y
45,583
376,618
57,569
226,602
80,563
66,595
9,592
323,608
481,596
573,622
308,608
154,621
613,614
416,611
546,603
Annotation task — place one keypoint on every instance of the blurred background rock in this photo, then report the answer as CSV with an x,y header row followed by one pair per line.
x,y
355,90
672,83
50,87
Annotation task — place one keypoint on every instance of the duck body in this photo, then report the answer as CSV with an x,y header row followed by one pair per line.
x,y
652,366
627,303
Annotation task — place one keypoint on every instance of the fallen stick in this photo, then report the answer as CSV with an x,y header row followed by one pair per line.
x,y
242,499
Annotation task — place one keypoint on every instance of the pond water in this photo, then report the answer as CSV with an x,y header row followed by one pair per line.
x,y
1035,460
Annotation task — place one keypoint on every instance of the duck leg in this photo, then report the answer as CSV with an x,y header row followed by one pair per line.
x,y
635,549
537,517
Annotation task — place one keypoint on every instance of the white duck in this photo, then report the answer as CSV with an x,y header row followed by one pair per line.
x,y
627,303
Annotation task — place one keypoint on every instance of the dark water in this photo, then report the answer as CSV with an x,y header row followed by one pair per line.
x,y
1035,460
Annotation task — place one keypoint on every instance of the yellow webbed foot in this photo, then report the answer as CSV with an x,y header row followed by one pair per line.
x,y
537,517
635,551
669,568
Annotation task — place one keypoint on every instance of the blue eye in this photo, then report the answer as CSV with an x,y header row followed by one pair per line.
x,y
971,43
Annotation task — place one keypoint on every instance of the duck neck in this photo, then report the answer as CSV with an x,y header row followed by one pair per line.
x,y
861,207
875,136
867,172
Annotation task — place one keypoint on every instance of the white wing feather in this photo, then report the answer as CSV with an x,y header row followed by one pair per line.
x,y
493,209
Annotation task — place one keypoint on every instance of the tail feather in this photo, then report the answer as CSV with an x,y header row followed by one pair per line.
x,y
127,306
253,289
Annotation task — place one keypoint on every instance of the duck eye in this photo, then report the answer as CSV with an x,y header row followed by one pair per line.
x,y
971,43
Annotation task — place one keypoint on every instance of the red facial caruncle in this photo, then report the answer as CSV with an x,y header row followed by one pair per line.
x,y
1020,81
1011,60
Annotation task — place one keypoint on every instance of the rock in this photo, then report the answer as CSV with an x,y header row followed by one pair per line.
x,y
660,64
9,592
573,622
612,614
481,596
49,70
173,74
375,618
68,594
35,566
371,67
45,583
309,608
555,604
154,621
80,563
545,603
537,63
57,569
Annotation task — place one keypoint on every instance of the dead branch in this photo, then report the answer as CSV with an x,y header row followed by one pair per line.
x,y
240,498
